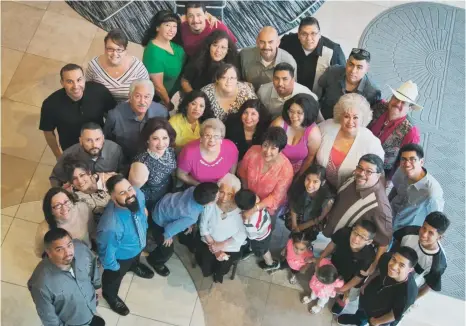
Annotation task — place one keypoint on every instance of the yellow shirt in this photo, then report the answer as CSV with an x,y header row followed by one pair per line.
x,y
184,133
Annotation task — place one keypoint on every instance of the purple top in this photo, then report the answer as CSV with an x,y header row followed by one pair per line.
x,y
297,153
190,160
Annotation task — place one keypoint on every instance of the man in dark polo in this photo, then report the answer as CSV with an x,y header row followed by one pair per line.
x,y
101,154
65,111
125,122
352,78
363,197
313,53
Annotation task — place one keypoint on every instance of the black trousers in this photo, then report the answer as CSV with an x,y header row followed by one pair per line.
x,y
209,264
161,254
111,280
97,321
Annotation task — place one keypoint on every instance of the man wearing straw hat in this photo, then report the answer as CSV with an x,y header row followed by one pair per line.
x,y
392,125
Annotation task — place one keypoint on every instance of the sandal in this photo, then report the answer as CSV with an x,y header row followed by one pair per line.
x,y
315,309
306,299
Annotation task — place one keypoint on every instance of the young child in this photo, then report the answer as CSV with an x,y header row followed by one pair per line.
x,y
323,284
258,229
298,255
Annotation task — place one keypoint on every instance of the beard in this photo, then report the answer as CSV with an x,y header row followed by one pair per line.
x,y
132,206
92,152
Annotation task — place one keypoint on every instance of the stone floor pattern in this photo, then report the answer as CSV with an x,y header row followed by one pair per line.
x,y
38,38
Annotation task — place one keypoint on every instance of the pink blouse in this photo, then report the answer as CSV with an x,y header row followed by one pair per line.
x,y
294,261
271,186
297,153
322,290
190,161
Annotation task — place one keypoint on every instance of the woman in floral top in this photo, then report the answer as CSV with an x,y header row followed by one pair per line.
x,y
267,172
227,94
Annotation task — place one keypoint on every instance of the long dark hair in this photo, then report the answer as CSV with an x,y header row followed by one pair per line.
x,y
191,96
47,204
265,117
159,18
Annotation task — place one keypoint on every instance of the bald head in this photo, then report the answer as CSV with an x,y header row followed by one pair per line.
x,y
268,42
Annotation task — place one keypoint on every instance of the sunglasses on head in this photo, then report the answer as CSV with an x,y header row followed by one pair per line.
x,y
362,52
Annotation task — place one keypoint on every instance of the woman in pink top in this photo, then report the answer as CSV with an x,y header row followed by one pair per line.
x,y
208,159
267,172
298,255
303,138
324,284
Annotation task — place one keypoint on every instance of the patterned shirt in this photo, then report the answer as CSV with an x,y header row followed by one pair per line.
x,y
245,92
119,86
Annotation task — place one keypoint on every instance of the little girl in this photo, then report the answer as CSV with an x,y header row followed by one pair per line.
x,y
298,255
309,200
323,284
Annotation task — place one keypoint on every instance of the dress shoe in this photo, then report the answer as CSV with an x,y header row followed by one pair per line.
x,y
142,270
118,306
161,270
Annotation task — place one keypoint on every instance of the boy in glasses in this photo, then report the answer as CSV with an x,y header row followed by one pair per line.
x,y
352,252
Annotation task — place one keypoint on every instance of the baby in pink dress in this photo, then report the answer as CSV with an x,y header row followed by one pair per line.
x,y
323,284
297,255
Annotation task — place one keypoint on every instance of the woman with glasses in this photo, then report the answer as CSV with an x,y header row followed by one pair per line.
x,y
267,172
88,187
115,69
208,159
163,57
62,210
226,93
345,138
218,48
192,111
298,120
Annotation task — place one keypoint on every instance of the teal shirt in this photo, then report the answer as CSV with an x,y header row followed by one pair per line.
x,y
158,60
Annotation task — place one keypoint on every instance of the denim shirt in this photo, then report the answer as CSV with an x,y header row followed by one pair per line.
x,y
62,299
117,235
413,202
177,212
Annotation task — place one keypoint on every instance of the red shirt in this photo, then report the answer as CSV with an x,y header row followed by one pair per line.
x,y
192,42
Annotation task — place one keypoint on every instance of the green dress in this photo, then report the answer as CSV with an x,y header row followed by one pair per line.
x,y
158,60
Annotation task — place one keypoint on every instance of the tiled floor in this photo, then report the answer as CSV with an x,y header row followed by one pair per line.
x,y
38,38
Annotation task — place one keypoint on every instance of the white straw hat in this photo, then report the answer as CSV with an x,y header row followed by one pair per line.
x,y
407,92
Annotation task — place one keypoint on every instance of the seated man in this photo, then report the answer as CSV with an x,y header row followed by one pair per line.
x,y
66,110
257,63
415,192
283,87
125,122
65,285
352,252
176,213
100,154
363,197
313,53
387,293
121,236
196,27
352,78
392,125
432,261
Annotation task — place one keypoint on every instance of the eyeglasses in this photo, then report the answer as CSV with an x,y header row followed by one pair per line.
x,y
214,137
368,173
306,35
362,52
110,50
359,235
228,78
411,160
59,206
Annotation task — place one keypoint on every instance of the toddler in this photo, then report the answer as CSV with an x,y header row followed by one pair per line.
x,y
298,255
323,284
258,229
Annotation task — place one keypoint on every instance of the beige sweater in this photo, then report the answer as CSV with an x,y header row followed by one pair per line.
x,y
80,225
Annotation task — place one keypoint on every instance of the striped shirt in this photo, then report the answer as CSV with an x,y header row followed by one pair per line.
x,y
259,227
352,205
118,87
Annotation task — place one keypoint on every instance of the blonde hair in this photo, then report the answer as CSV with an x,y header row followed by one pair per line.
x,y
230,180
215,124
353,101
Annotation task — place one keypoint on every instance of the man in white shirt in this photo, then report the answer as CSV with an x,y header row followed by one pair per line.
x,y
283,87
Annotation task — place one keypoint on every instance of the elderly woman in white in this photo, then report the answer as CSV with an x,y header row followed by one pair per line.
x,y
222,231
345,138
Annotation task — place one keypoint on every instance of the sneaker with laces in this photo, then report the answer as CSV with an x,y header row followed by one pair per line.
x,y
268,268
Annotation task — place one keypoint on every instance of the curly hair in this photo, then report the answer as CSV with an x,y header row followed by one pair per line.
x,y
151,126
190,97
353,101
308,104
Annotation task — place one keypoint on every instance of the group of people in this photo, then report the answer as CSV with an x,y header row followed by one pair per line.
x,y
288,128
